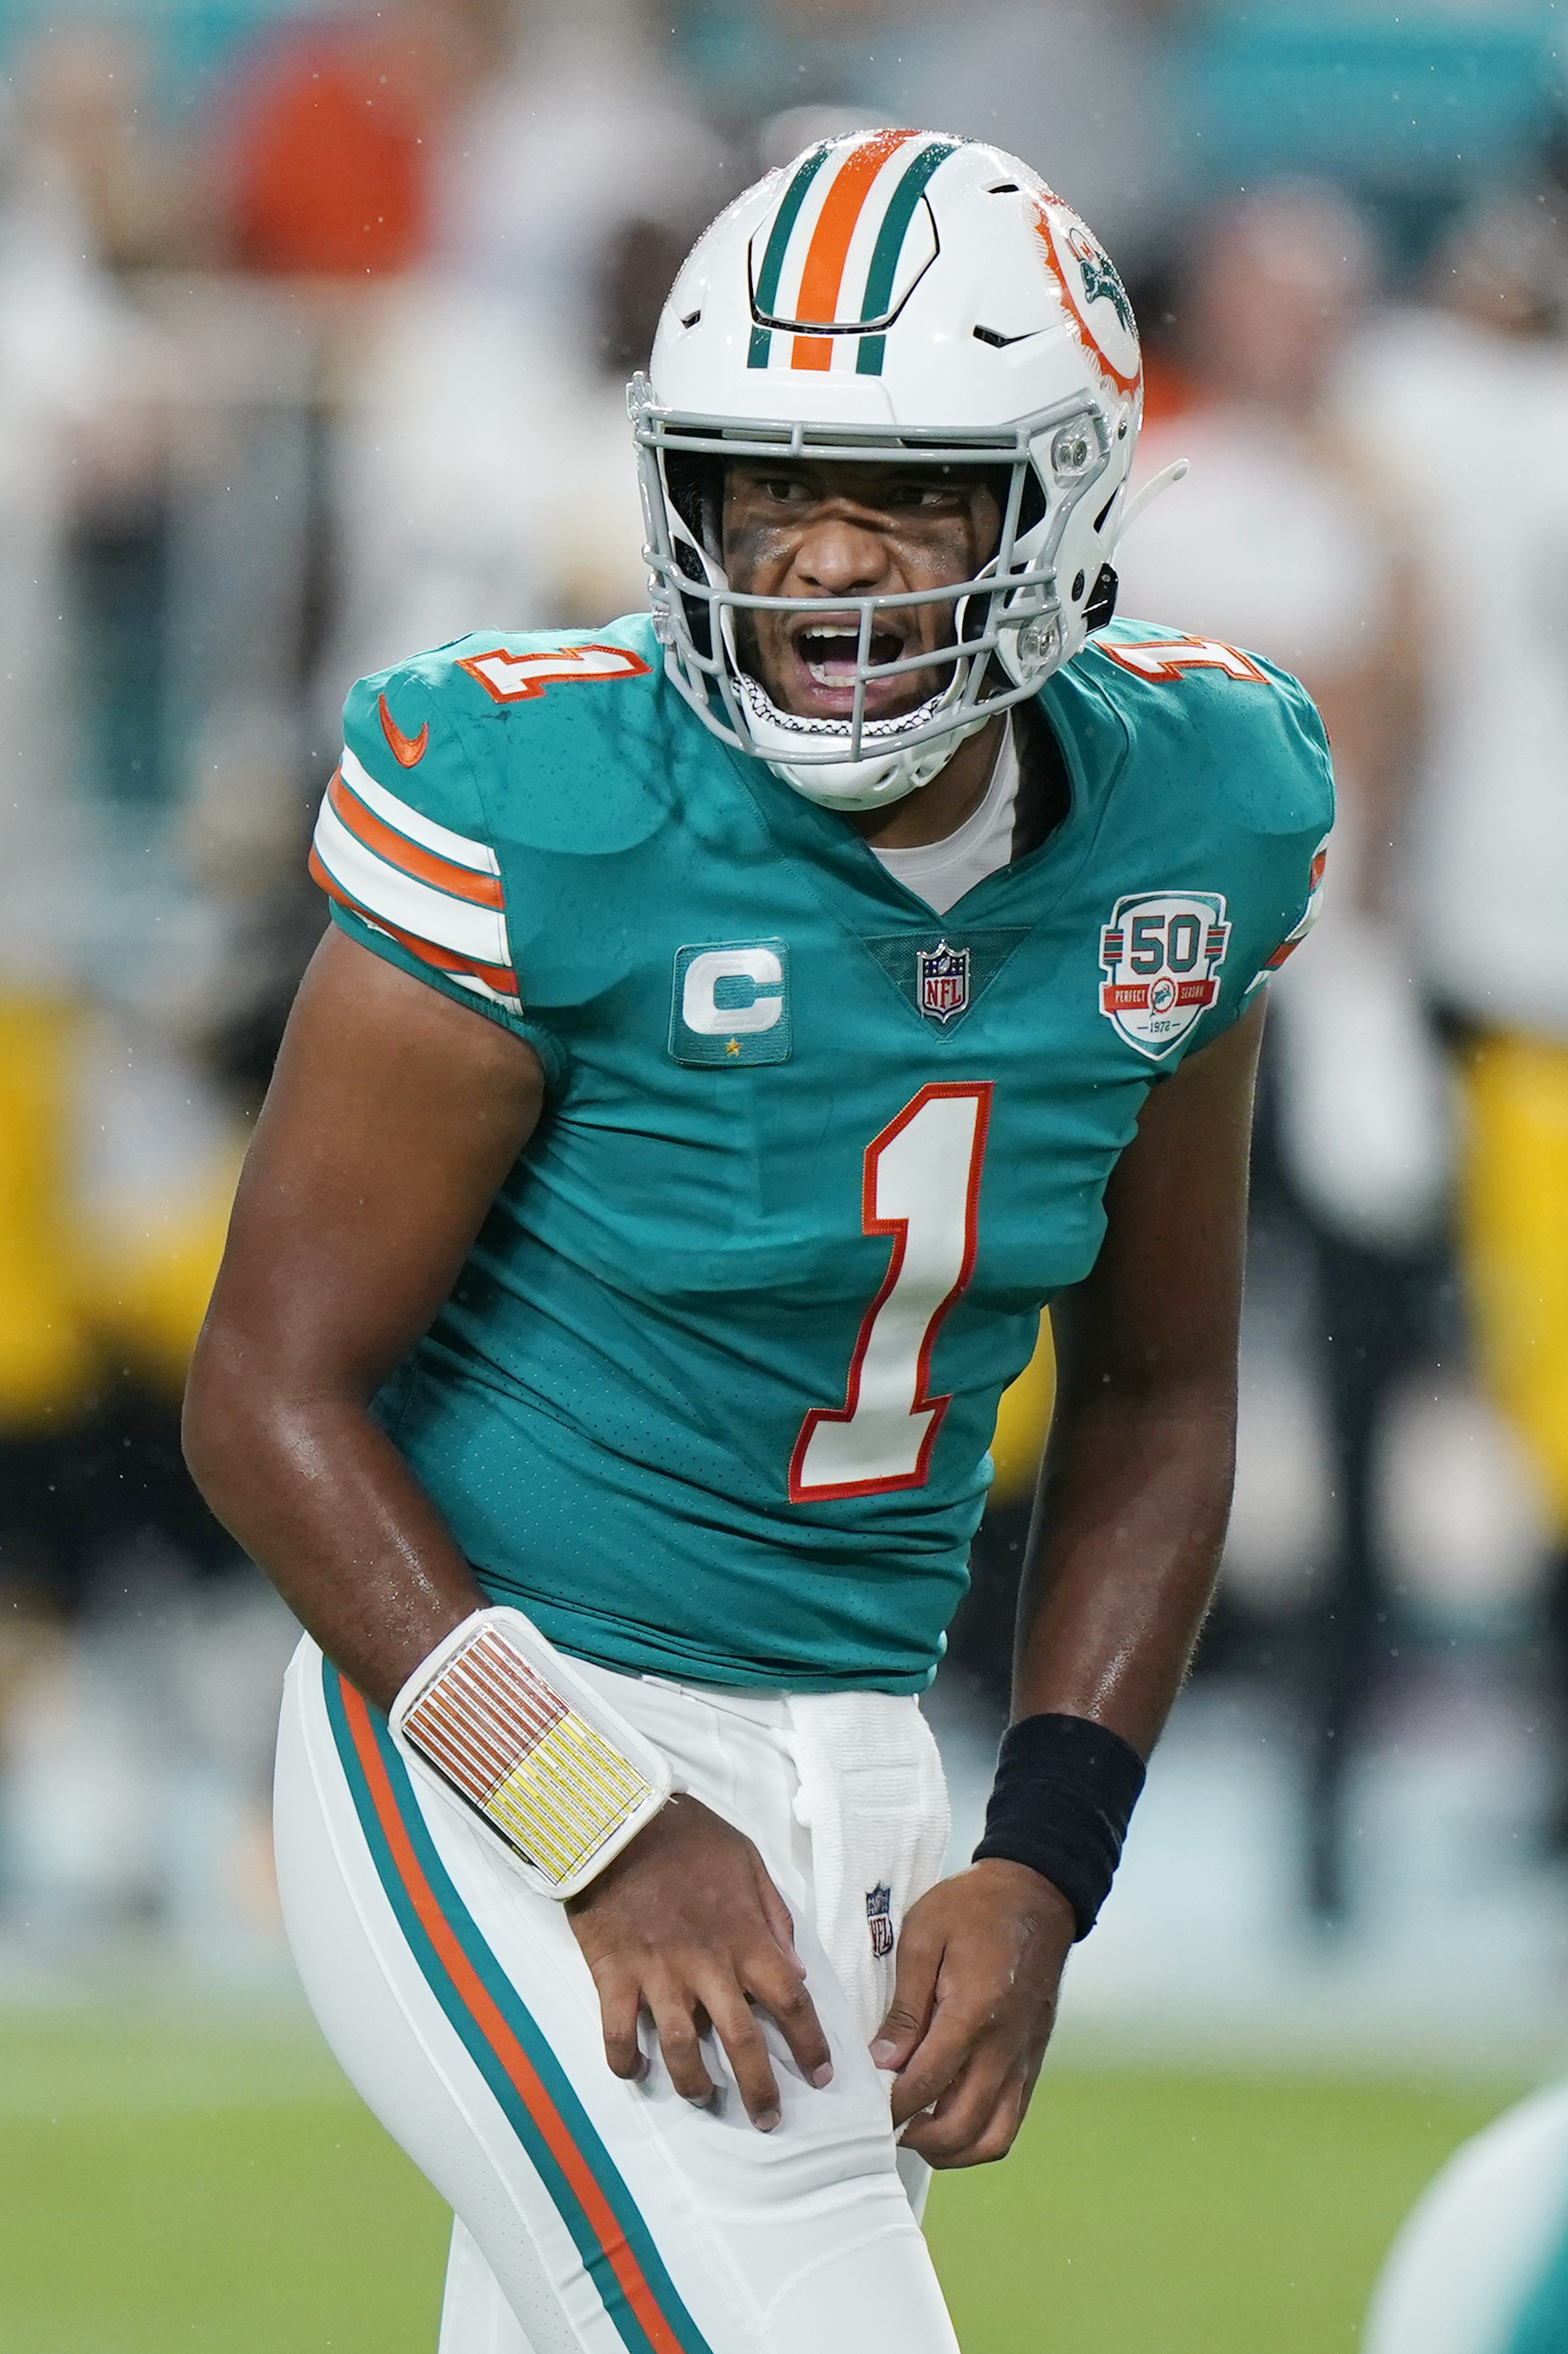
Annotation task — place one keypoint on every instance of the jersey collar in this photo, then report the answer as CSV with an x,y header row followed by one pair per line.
x,y
861,891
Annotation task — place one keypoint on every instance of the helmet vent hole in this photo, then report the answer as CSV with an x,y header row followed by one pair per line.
x,y
1100,611
988,335
691,318
1100,518
1078,585
1003,188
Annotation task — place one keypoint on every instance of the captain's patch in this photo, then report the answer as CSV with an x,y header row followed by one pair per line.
x,y
731,1003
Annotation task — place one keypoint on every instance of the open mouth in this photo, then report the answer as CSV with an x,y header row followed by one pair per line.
x,y
820,668
829,652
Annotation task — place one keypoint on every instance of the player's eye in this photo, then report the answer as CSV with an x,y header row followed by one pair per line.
x,y
782,489
927,497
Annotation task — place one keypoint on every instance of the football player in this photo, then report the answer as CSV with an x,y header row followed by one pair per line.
x,y
734,1027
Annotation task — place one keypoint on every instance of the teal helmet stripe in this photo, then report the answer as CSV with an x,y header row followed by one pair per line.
x,y
883,270
764,294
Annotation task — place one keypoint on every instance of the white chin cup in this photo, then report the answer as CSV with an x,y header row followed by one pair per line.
x,y
884,774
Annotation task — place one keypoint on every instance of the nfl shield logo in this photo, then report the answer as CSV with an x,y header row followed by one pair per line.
x,y
879,1920
943,976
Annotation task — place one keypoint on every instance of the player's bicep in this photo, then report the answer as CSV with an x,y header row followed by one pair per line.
x,y
393,1118
1162,1302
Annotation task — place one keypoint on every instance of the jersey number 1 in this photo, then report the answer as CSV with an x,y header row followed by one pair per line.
x,y
921,1186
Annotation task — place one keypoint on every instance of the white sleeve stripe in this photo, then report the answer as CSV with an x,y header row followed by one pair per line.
x,y
483,989
478,856
464,980
455,924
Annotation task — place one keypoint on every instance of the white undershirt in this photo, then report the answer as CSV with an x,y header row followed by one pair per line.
x,y
941,871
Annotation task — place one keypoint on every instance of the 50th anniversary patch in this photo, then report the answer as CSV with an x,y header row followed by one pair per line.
x,y
1162,952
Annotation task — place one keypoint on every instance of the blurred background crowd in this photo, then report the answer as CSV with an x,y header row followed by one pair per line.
x,y
314,336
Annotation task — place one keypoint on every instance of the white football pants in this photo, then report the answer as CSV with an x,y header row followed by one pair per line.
x,y
593,2216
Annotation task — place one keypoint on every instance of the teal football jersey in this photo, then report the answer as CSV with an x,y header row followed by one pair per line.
x,y
713,1397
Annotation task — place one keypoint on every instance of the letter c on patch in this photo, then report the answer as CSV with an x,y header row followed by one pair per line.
x,y
750,973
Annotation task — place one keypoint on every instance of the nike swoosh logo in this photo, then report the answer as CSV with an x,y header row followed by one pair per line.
x,y
406,749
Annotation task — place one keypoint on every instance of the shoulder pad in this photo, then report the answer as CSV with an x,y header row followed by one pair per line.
x,y
1258,736
495,671
402,840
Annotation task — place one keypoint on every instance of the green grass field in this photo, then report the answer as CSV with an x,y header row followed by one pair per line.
x,y
173,2185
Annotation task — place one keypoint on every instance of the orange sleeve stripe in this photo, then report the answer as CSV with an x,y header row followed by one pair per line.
x,y
498,977
424,865
824,267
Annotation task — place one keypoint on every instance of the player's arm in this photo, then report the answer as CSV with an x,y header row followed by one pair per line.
x,y
1134,1498
1134,1490
393,1119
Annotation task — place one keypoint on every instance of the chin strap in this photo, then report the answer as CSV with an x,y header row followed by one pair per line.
x,y
888,774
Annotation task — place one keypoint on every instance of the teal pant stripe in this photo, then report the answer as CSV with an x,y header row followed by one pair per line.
x,y
1541,2326
523,2027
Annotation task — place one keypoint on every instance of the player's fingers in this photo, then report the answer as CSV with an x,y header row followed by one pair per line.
x,y
976,2133
788,2003
778,1915
738,2031
621,2009
680,2043
947,2046
914,1993
974,2119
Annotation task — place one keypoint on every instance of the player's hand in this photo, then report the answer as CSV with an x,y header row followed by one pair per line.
x,y
980,1965
686,1925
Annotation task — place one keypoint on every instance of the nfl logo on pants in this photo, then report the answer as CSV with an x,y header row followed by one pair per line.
x,y
879,1919
943,976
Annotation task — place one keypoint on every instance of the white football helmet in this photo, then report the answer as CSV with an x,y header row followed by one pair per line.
x,y
891,296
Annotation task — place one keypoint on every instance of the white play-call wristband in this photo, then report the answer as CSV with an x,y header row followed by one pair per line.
x,y
557,1773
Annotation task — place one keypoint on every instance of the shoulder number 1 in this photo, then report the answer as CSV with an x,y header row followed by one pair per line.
x,y
921,1186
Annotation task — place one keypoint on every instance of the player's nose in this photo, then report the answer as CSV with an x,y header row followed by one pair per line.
x,y
840,557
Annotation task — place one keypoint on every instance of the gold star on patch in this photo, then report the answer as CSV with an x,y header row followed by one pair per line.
x,y
732,1047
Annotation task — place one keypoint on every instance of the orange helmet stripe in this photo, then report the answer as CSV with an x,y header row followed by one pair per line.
x,y
823,273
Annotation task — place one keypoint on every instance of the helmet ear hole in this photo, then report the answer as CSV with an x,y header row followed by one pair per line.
x,y
1100,611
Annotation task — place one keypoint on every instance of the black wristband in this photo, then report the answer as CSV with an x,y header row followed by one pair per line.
x,y
1060,1803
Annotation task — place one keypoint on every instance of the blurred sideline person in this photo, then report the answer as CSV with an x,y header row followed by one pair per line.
x,y
1481,2264
114,1191
85,95
564,193
1284,540
739,1022
1083,84
1487,868
330,138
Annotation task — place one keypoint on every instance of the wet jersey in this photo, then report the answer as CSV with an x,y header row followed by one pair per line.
x,y
713,1395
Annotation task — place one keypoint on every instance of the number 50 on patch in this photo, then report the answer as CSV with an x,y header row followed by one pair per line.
x,y
1162,952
